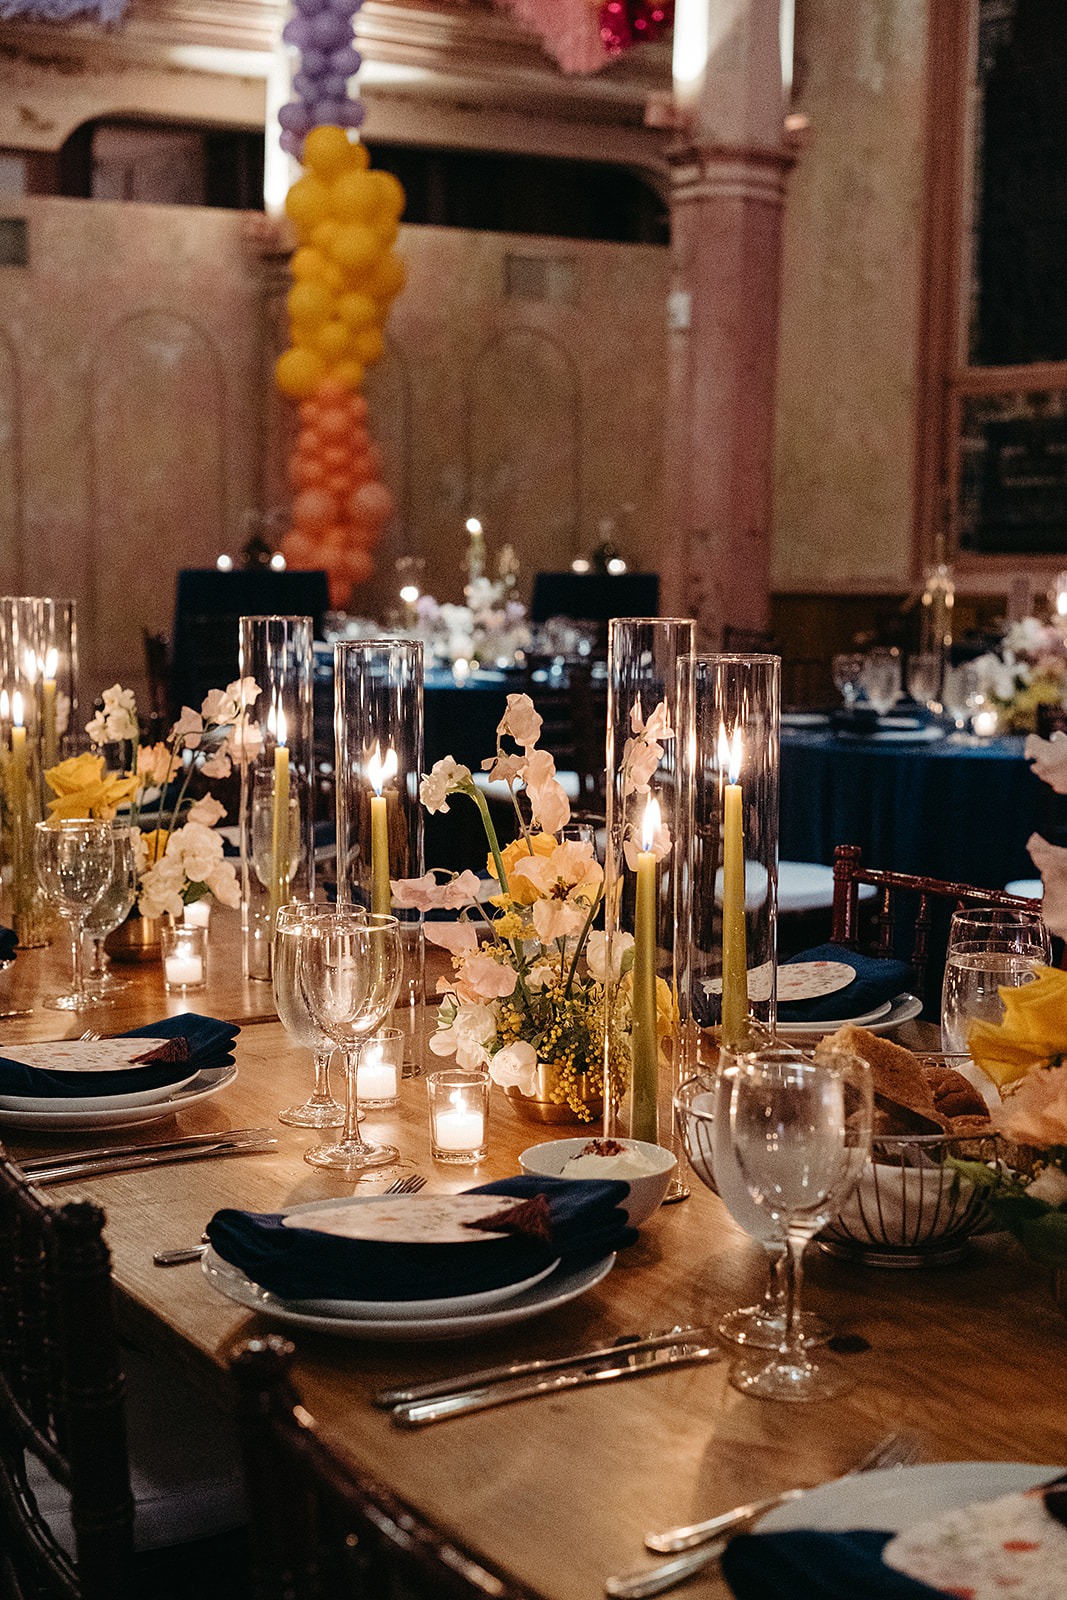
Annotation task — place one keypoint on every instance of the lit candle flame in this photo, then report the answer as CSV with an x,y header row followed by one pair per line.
x,y
650,824
31,664
380,769
276,723
18,715
51,663
731,752
5,705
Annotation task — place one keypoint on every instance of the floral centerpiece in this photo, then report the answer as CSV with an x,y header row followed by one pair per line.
x,y
180,857
490,630
1029,670
529,994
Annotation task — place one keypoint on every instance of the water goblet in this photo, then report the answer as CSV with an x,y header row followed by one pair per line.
x,y
961,694
847,670
880,678
989,949
924,678
320,1109
349,968
112,909
760,1327
74,862
799,1129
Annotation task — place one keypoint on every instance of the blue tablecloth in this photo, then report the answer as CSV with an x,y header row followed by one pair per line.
x,y
941,809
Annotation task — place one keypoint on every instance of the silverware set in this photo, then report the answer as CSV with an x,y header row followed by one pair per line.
x,y
129,1158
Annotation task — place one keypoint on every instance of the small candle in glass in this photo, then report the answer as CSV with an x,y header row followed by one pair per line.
x,y
381,1064
459,1114
184,951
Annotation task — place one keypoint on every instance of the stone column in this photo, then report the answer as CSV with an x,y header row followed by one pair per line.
x,y
728,172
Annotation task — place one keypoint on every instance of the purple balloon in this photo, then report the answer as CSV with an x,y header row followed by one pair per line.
x,y
291,143
352,114
310,8
327,113
343,8
307,88
329,31
347,61
315,63
333,86
296,32
295,118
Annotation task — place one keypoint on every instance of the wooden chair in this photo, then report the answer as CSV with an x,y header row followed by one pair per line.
x,y
97,1502
903,897
321,1529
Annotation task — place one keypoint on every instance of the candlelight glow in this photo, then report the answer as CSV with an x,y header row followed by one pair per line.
x,y
5,705
276,724
31,665
731,752
409,593
17,710
51,663
379,769
650,824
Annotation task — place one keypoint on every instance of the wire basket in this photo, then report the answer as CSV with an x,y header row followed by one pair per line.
x,y
910,1208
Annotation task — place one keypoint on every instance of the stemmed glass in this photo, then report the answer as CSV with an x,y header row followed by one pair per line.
x,y
320,1109
112,908
799,1129
880,678
74,862
761,1326
962,695
989,949
847,669
924,678
350,966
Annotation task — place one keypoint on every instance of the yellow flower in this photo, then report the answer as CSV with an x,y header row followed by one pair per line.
x,y
522,892
666,1009
154,843
1034,1029
83,789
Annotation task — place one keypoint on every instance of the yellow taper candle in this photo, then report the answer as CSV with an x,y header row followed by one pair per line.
x,y
734,955
644,1048
379,770
48,709
280,841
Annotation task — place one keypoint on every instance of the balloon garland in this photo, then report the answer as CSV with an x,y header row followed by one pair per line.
x,y
345,276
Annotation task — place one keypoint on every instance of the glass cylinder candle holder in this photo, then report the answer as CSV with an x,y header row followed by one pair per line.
x,y
23,790
275,749
644,871
57,677
378,732
459,1116
727,988
381,1066
184,952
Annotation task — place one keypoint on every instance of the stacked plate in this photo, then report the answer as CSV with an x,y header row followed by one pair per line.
x,y
431,1218
811,980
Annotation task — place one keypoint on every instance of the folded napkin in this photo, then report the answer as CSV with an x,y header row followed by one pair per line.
x,y
8,941
210,1045
585,1219
877,980
817,1566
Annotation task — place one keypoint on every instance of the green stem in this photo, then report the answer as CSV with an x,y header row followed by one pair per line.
x,y
582,937
501,876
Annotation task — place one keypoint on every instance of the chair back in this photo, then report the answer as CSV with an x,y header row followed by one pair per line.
x,y
904,919
594,596
61,1398
322,1529
207,609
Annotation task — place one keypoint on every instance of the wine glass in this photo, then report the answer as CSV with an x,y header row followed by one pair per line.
x,y
800,1132
349,968
924,678
73,861
112,908
961,694
880,678
989,949
847,669
320,1109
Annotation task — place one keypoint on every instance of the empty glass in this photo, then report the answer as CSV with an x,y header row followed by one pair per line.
x,y
349,969
988,949
799,1130
73,861
880,678
320,1109
924,678
112,909
847,669
961,693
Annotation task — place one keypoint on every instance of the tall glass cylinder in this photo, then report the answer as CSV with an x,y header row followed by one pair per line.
x,y
730,909
644,873
378,731
276,752
57,676
20,718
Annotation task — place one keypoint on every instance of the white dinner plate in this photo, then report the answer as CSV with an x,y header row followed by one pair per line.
x,y
560,1286
208,1081
923,735
62,1105
898,1497
889,1015
805,719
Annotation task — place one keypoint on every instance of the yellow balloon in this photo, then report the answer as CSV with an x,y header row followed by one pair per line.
x,y
327,151
307,263
386,230
350,373
353,197
324,235
333,341
370,346
308,203
387,279
357,311
389,192
298,373
354,249
309,302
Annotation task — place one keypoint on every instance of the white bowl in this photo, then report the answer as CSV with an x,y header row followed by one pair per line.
x,y
646,1193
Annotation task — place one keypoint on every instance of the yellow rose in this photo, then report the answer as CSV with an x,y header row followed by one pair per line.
x,y
154,843
83,789
523,893
1034,1029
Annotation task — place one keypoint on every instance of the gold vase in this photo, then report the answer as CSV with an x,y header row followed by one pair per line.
x,y
540,1107
136,939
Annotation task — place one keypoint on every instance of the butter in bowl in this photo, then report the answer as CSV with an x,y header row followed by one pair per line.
x,y
647,1168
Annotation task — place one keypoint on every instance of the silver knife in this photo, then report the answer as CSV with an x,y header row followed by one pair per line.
x,y
622,1365
186,1141
630,1344
121,1162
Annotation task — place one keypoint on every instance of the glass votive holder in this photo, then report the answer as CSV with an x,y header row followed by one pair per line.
x,y
459,1115
184,952
381,1064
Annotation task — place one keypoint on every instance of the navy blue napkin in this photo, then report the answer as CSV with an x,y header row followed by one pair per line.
x,y
817,1566
210,1045
877,979
8,942
302,1264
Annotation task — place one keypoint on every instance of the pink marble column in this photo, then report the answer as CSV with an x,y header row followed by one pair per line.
x,y
727,193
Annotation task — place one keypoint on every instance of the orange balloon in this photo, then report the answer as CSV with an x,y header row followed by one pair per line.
x,y
370,346
339,483
349,372
355,249
305,474
309,302
297,371
371,502
353,197
357,310
307,202
299,550
358,408
357,437
331,393
313,506
333,341
388,192
335,456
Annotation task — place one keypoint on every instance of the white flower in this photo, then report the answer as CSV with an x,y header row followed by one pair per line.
x,y
446,777
515,1067
226,706
206,810
489,979
504,768
197,848
660,847
521,721
458,937
471,1030
426,894
596,955
222,881
566,883
117,720
1050,1186
219,764
549,805
189,727
161,889
541,974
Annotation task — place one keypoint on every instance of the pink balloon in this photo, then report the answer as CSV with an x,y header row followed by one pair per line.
x,y
372,503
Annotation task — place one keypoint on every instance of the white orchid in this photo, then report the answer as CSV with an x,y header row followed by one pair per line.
x,y
117,721
446,777
521,721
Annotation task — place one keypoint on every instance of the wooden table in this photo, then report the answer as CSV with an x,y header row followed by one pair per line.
x,y
559,1491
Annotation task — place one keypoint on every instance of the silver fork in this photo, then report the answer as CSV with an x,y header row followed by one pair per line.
x,y
193,1252
701,1543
